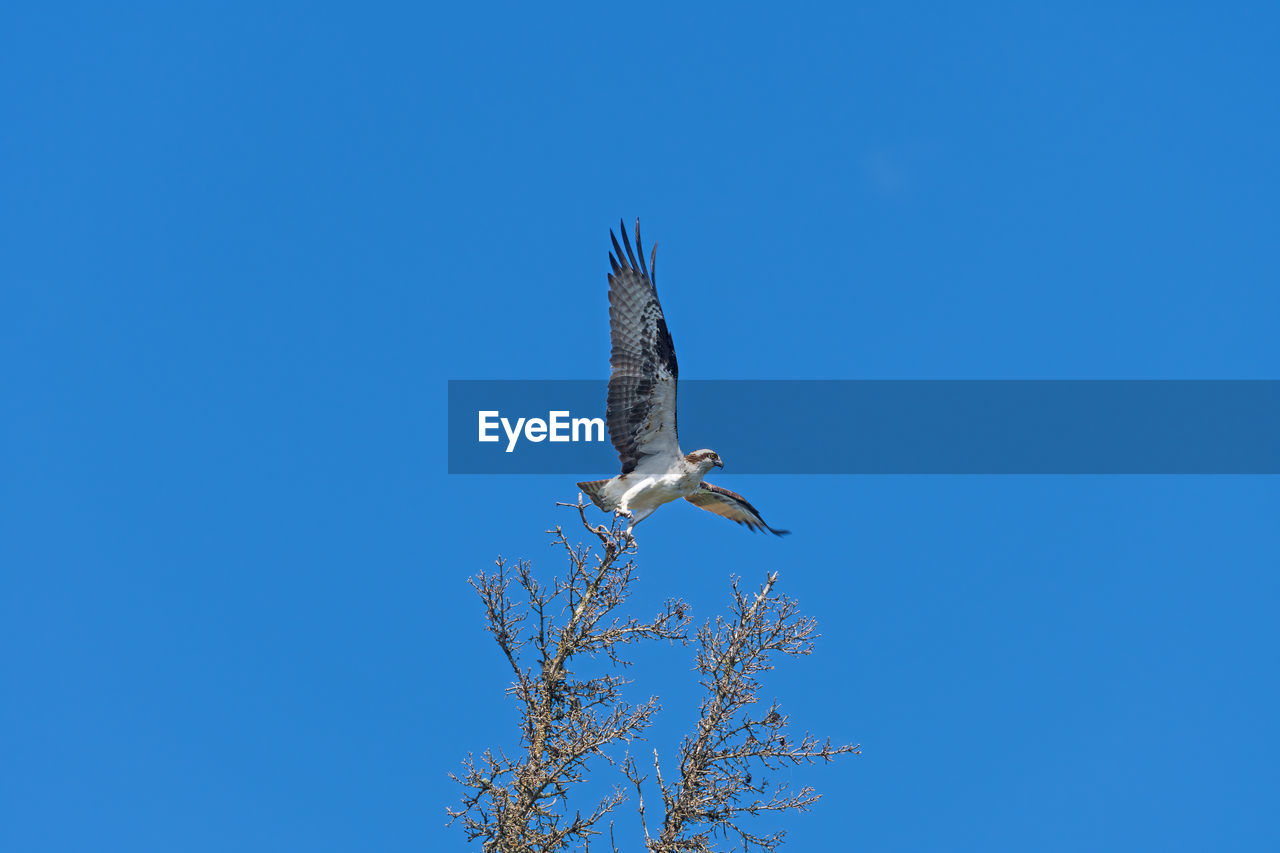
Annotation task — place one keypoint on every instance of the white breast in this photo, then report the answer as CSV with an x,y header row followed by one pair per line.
x,y
652,485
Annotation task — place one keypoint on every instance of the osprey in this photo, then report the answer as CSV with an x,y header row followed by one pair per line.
x,y
641,410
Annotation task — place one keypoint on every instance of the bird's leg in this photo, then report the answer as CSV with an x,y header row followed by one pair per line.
x,y
622,511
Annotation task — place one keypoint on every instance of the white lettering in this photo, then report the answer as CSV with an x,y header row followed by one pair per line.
x,y
512,434
559,426
586,424
486,425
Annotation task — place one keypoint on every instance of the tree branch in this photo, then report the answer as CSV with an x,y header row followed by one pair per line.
x,y
569,720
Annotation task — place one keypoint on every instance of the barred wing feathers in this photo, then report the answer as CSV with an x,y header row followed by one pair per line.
x,y
641,410
731,505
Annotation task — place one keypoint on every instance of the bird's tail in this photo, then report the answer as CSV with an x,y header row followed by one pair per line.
x,y
594,490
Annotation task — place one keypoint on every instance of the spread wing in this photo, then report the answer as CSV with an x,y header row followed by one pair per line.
x,y
731,505
642,385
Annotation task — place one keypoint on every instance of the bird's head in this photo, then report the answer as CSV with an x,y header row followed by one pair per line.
x,y
704,460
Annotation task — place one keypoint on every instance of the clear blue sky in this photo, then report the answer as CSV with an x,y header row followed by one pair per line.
x,y
243,247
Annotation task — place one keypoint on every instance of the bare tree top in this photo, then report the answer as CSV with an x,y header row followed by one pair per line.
x,y
519,802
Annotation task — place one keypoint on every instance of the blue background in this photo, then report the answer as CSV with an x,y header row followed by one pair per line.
x,y
243,247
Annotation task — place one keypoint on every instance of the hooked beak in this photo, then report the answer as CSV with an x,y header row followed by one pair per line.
x,y
720,465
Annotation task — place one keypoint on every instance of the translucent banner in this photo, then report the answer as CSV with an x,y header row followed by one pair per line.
x,y
886,427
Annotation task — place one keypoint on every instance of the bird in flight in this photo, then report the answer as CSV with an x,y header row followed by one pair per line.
x,y
641,410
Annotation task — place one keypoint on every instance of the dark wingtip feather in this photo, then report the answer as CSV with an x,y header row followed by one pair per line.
x,y
617,248
624,257
640,251
762,527
626,241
